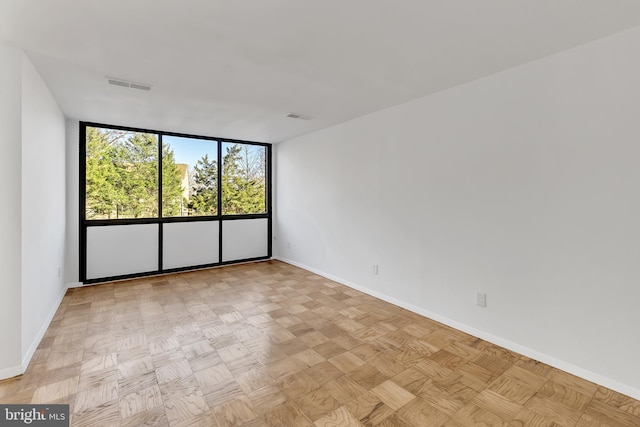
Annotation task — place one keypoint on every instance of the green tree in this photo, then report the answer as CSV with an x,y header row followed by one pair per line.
x,y
101,174
204,190
172,194
137,160
243,183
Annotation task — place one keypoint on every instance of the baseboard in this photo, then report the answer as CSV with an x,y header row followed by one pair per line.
x,y
75,285
36,342
11,372
533,354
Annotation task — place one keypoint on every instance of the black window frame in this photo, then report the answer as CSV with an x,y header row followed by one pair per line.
x,y
160,220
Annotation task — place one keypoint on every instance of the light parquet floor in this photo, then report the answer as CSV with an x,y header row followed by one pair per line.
x,y
268,344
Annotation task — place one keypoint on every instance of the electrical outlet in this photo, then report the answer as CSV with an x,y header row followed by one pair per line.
x,y
59,272
375,269
481,299
288,245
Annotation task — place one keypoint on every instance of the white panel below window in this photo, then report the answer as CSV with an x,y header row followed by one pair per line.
x,y
188,244
244,238
116,250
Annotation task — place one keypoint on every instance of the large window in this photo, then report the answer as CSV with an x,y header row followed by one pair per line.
x,y
135,177
122,175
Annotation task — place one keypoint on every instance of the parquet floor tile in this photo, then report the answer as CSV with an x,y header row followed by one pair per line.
x,y
369,409
270,345
341,417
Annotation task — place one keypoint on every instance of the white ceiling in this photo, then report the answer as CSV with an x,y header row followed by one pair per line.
x,y
235,68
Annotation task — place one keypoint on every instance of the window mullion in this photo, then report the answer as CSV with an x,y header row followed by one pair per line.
x,y
159,188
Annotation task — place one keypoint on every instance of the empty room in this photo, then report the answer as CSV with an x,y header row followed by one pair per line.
x,y
290,213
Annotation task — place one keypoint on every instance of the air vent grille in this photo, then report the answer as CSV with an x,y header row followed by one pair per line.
x,y
124,83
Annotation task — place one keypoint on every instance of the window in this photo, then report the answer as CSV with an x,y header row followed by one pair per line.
x,y
121,174
189,177
243,179
152,198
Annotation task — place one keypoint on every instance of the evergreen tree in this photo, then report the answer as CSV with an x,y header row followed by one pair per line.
x,y
172,194
204,191
243,184
138,166
101,174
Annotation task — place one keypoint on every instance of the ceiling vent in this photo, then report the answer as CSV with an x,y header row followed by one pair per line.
x,y
298,116
124,83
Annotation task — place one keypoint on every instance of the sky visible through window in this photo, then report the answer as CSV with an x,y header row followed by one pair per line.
x,y
190,150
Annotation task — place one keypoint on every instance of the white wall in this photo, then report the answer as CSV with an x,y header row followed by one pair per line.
x,y
43,207
524,185
10,213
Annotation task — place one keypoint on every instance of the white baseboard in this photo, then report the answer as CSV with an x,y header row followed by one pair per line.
x,y
75,285
541,357
34,345
11,372
20,369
